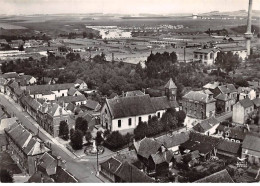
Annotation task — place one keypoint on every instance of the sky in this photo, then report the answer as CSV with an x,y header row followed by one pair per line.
x,y
122,6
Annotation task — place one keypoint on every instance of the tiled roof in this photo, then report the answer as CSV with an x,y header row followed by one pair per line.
x,y
162,157
39,177
211,85
79,81
6,123
206,124
70,99
237,132
31,102
10,75
206,51
218,177
246,103
233,49
111,165
229,88
200,96
121,107
245,90
72,91
170,84
147,147
46,160
91,104
252,142
162,103
130,174
229,146
37,89
223,97
63,176
174,140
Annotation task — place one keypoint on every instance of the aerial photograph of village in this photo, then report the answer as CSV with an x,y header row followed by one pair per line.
x,y
129,91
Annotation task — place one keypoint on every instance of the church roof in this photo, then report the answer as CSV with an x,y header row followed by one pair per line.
x,y
170,84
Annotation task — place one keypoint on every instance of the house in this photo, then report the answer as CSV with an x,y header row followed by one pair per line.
x,y
49,81
242,111
198,105
92,120
256,102
211,86
206,145
76,100
60,90
226,96
235,134
206,56
122,171
6,123
173,142
246,92
50,115
16,43
240,51
73,92
29,80
30,105
207,126
10,75
251,148
92,105
228,149
218,177
80,84
24,147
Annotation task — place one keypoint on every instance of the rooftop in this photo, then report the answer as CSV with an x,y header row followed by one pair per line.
x,y
218,177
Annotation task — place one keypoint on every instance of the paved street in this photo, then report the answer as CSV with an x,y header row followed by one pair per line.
x,y
84,171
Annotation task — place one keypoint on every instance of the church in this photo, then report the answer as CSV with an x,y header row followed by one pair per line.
x,y
124,113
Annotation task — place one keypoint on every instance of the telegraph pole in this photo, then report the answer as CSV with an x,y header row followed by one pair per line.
x,y
248,34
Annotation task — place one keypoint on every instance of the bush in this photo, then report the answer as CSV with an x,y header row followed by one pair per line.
x,y
81,124
64,130
99,138
116,141
141,130
6,176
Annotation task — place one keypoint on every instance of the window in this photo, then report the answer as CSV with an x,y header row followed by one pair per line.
x,y
158,114
211,55
119,123
140,119
130,121
106,111
149,117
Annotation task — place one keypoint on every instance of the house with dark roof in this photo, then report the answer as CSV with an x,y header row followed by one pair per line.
x,y
123,114
226,96
30,105
218,177
207,126
198,105
242,111
251,148
235,134
25,147
73,92
80,85
228,149
206,145
118,170
92,105
206,56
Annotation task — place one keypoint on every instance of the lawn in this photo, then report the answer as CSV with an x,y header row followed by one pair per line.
x,y
6,162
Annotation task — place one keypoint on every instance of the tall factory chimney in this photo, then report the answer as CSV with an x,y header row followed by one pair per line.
x,y
248,34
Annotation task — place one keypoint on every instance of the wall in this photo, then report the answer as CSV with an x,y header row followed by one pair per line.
x,y
256,155
61,93
238,113
210,109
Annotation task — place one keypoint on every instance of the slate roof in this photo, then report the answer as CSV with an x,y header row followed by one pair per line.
x,y
200,96
28,100
63,176
233,49
39,177
218,177
146,147
131,174
7,123
206,124
45,161
256,102
72,91
223,97
246,103
134,93
38,89
237,133
252,142
229,146
91,104
229,88
170,84
174,140
121,107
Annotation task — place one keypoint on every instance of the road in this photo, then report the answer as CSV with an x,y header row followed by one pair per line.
x,y
84,171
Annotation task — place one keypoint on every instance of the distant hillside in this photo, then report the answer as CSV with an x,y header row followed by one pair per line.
x,y
239,13
242,29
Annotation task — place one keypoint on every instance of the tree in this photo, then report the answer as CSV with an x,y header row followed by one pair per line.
x,y
88,136
141,130
64,130
71,132
99,138
227,61
181,117
76,140
21,48
6,176
81,124
115,140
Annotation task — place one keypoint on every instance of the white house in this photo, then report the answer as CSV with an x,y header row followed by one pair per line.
x,y
206,56
246,92
207,126
76,100
240,51
242,111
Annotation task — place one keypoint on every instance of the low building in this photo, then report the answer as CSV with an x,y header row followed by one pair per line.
x,y
92,105
242,111
218,177
240,51
73,92
207,126
251,148
246,92
229,149
76,100
206,56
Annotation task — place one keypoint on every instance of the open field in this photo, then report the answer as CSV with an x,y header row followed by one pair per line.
x,y
8,26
